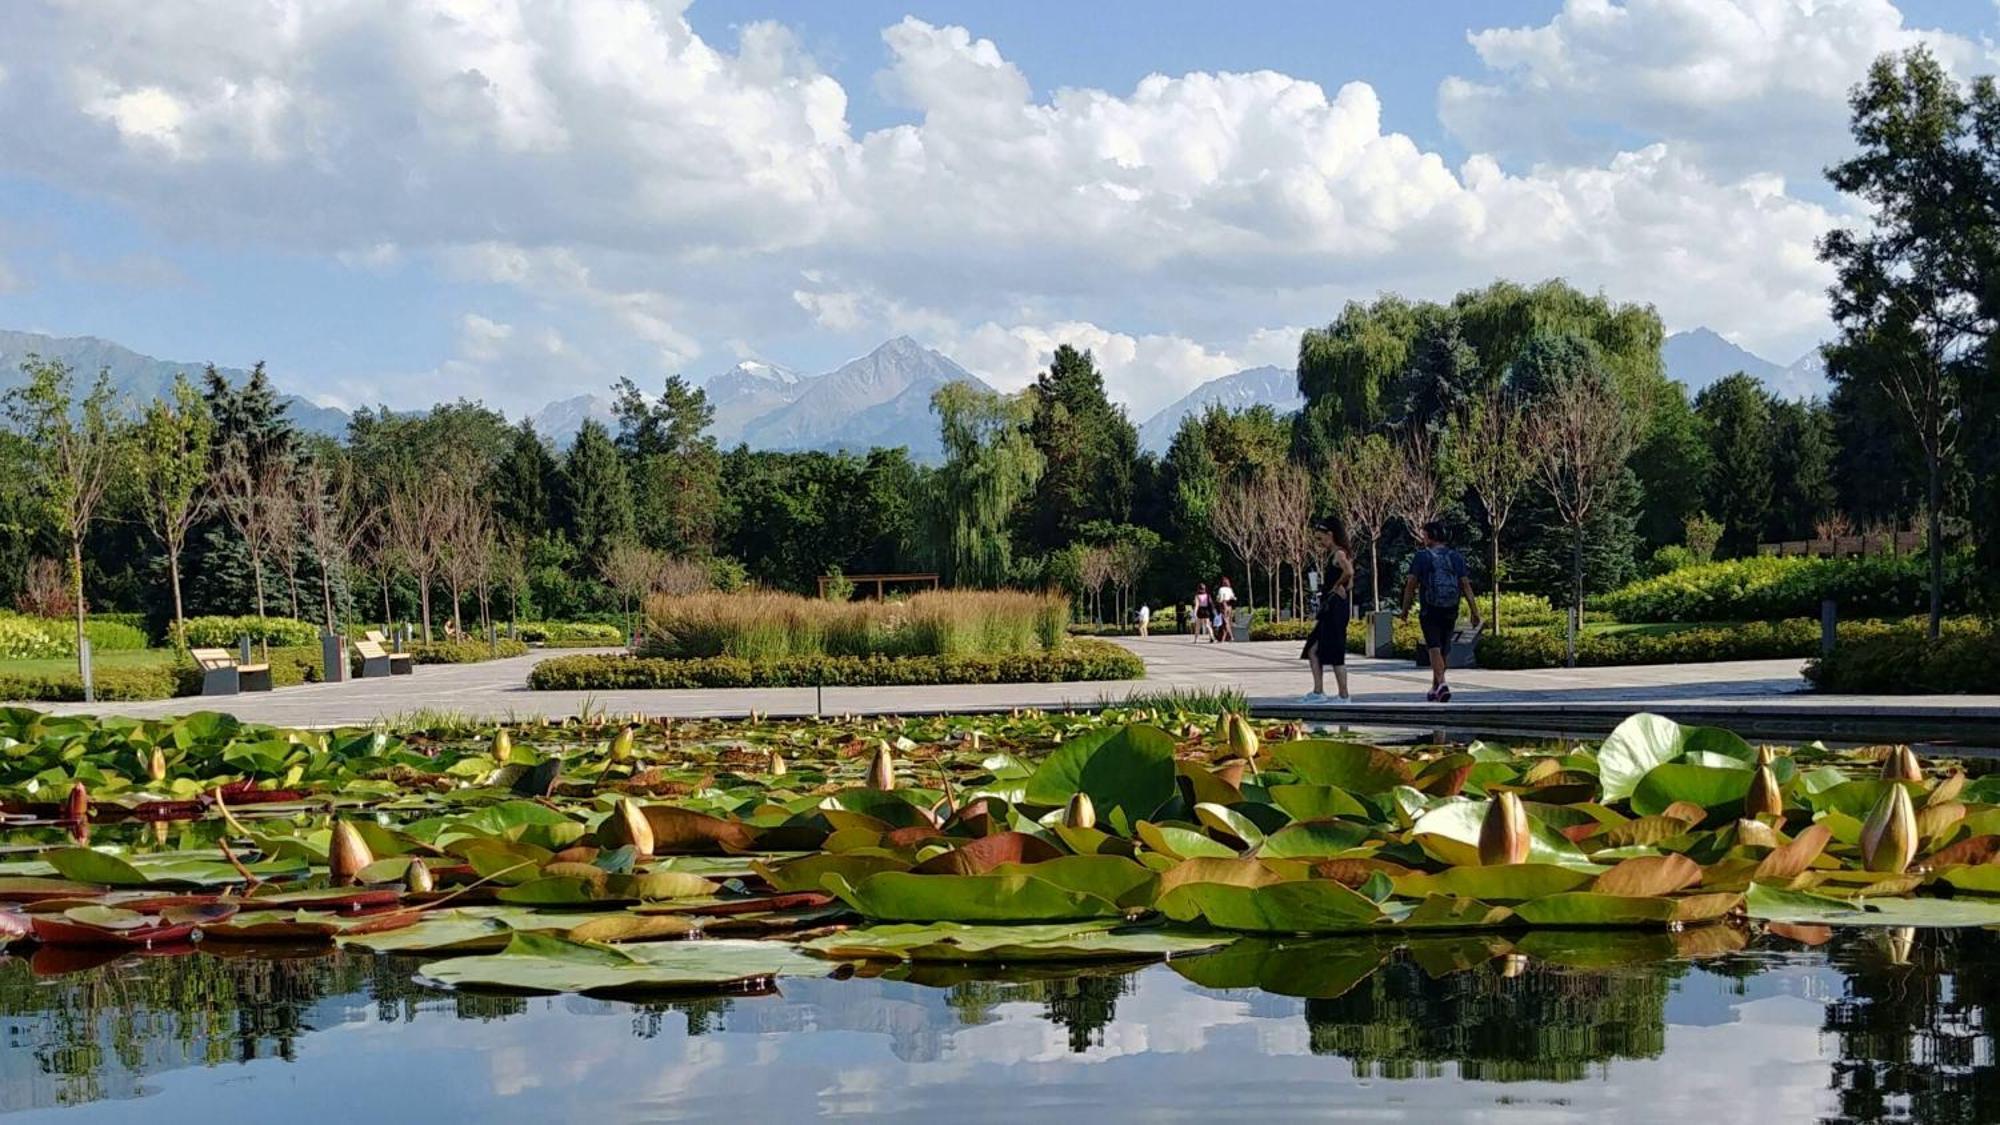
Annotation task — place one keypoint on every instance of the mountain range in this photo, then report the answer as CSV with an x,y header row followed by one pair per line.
x,y
878,399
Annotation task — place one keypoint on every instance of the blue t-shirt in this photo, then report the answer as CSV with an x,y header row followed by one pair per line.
x,y
1438,571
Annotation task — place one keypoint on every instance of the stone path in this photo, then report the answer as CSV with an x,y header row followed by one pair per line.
x,y
1269,673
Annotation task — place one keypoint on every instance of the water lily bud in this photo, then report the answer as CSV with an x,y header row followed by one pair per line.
x,y
777,768
1766,755
975,742
1764,798
1889,838
77,810
503,745
637,828
1503,835
882,772
418,878
621,746
1243,738
1080,813
347,855
1902,765
156,765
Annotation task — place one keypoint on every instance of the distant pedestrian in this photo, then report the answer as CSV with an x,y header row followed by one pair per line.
x,y
1184,617
1439,579
1145,618
1225,610
1326,645
1204,613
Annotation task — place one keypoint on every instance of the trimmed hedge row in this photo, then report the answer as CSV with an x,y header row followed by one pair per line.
x,y
223,632
571,634
1757,640
1767,588
1899,658
45,638
1080,660
466,652
112,684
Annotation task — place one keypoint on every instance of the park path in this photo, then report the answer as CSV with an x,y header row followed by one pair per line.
x,y
1269,673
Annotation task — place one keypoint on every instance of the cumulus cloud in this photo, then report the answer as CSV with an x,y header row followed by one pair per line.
x,y
651,192
1746,85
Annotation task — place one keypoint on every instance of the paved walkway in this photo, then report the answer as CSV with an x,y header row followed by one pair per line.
x,y
1269,673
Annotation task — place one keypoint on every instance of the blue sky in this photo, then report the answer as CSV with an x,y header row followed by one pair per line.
x,y
519,201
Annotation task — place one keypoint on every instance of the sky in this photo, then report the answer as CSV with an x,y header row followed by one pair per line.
x,y
403,201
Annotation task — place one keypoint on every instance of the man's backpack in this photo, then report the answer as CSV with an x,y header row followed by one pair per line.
x,y
1441,584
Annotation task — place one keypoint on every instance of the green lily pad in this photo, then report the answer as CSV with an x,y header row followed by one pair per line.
x,y
956,942
540,963
1127,771
896,896
1345,765
1645,741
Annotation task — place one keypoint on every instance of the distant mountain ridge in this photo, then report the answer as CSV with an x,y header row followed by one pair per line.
x,y
1701,356
141,378
1275,387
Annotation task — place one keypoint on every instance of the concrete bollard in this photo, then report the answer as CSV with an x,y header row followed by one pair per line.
x,y
1381,636
333,657
243,648
1829,626
84,668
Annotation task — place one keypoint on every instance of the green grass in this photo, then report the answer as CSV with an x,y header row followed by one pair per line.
x,y
115,658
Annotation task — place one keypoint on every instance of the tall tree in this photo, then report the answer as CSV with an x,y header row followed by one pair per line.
x,y
1088,448
524,484
1492,436
1907,298
1582,435
170,467
1802,494
673,465
1365,480
73,451
597,498
991,465
1736,417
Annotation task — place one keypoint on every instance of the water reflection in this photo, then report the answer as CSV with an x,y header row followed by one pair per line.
x,y
1865,1027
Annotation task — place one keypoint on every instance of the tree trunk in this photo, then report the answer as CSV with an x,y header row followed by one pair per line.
x,y
386,612
257,576
424,604
326,592
174,579
1374,579
1934,532
1493,574
1576,592
76,593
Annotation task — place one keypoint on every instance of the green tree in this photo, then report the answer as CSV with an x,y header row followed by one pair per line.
x,y
1736,414
1191,481
1088,449
673,465
597,499
170,467
1801,468
991,465
1909,288
1673,466
524,484
73,453
1355,363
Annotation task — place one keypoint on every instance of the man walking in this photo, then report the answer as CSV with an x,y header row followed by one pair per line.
x,y
1438,579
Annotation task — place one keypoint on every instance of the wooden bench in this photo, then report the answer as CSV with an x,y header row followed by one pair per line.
x,y
374,660
222,675
400,663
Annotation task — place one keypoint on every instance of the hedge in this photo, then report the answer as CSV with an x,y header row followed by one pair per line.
x,y
1080,660
111,684
224,632
45,638
1768,588
1757,640
571,634
466,652
1899,658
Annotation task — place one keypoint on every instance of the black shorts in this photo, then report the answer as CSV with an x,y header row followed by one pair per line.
x,y
1438,624
1329,633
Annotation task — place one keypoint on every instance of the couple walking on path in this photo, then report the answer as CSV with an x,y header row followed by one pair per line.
x,y
1438,580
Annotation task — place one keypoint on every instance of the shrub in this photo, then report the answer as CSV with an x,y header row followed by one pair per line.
x,y
110,684
1668,559
571,634
1757,640
1900,659
465,652
763,626
223,632
23,638
1767,588
41,638
1076,661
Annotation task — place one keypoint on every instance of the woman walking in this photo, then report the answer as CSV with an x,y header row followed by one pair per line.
x,y
1326,645
1203,627
1225,611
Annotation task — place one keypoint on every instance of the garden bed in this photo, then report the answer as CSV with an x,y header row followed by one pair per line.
x,y
1900,659
1076,661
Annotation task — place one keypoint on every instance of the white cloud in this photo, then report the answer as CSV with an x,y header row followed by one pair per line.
x,y
1746,85
650,192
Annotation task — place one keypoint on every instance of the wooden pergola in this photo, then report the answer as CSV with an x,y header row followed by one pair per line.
x,y
881,582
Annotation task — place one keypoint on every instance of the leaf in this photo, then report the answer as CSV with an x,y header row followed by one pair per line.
x,y
1346,765
977,857
1313,970
1068,941
808,872
1514,882
1714,789
1315,802
1649,876
1298,906
1127,771
541,963
1776,905
1459,822
894,896
1587,908
1180,842
1645,741
1313,840
86,865
1787,861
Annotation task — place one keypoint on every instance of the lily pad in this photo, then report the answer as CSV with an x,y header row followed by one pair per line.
x,y
540,963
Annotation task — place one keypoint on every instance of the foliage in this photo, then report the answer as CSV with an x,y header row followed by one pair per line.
x,y
1736,413
471,651
30,638
1901,659
1753,640
1770,587
570,634
1076,661
1704,533
991,466
224,632
1087,448
760,626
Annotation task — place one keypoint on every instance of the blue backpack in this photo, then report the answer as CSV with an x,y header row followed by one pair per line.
x,y
1440,585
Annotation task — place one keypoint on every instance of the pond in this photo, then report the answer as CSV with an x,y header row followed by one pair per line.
x,y
1870,1025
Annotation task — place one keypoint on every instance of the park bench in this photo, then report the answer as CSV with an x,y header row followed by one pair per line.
x,y
221,674
374,660
400,663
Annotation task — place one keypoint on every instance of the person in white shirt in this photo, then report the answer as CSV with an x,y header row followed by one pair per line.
x,y
1145,617
1225,608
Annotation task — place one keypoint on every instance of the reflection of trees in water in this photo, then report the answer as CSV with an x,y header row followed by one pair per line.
x,y
702,1015
1548,1023
1081,1005
1915,1027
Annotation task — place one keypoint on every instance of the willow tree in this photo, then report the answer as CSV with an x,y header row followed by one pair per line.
x,y
72,450
991,465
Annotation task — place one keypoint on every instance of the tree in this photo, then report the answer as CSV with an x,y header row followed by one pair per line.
x,y
255,496
1419,489
170,467
991,465
414,518
1492,435
1365,481
334,516
1907,297
1581,437
72,453
1088,448
634,571
596,494
1802,495
1238,519
1736,415
524,483
673,466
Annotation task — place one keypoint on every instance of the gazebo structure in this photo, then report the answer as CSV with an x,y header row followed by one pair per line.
x,y
881,582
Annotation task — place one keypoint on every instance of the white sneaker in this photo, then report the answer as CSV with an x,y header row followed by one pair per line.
x,y
1340,699
1314,699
